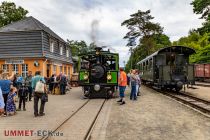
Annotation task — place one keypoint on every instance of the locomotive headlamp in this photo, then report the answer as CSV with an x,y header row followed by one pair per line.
x,y
109,77
85,76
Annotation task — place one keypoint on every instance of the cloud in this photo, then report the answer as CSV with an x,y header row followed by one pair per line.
x,y
71,19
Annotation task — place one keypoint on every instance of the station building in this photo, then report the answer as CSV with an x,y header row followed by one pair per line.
x,y
28,45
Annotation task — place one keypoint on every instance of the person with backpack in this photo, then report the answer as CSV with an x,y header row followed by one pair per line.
x,y
39,89
63,84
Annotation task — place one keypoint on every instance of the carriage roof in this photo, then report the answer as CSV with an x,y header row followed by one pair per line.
x,y
180,49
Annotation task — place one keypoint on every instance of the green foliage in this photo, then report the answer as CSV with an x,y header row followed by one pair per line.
x,y
201,43
202,7
140,52
77,47
10,13
141,25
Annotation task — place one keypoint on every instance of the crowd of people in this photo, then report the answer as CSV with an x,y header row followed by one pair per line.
x,y
133,80
15,86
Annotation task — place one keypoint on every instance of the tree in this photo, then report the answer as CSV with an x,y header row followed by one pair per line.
x,y
202,7
77,47
149,34
141,25
10,13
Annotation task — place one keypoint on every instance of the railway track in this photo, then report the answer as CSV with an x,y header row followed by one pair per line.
x,y
202,84
80,124
194,102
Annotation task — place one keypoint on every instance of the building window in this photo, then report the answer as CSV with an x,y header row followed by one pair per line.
x,y
15,68
68,71
5,68
67,52
24,70
65,70
61,50
52,46
61,69
54,69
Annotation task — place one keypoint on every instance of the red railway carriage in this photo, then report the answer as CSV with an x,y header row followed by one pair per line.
x,y
202,72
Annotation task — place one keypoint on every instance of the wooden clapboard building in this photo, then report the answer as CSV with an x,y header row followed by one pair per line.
x,y
29,45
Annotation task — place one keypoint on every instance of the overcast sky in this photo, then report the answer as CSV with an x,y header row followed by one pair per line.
x,y
72,19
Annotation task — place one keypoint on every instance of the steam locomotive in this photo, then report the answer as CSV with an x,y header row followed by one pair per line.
x,y
98,73
168,68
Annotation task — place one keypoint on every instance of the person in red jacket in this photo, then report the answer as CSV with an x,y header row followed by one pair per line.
x,y
122,86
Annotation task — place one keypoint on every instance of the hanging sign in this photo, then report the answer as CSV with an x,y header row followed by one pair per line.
x,y
13,61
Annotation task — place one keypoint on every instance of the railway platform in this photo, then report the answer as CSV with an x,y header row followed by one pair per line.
x,y
57,110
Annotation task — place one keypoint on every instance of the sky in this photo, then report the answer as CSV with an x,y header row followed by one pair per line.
x,y
100,20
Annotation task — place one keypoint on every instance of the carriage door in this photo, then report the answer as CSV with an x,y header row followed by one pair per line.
x,y
158,66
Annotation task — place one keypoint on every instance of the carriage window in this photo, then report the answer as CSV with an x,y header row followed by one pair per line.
x,y
180,59
170,59
147,65
150,63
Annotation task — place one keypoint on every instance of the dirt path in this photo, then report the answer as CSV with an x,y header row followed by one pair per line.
x,y
156,117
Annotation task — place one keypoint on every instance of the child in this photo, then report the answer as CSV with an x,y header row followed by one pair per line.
x,y
22,93
11,108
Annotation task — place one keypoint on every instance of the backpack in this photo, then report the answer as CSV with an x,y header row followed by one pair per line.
x,y
40,87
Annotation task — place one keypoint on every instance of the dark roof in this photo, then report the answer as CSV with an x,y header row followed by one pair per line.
x,y
180,49
29,24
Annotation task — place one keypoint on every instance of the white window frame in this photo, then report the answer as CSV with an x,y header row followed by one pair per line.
x,y
15,68
61,69
61,50
24,70
69,71
5,68
52,45
54,69
67,52
65,70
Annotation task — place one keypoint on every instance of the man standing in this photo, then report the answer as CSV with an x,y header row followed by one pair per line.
x,y
28,81
38,95
133,86
63,83
122,86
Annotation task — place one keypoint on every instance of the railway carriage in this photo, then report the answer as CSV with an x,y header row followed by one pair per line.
x,y
98,73
168,68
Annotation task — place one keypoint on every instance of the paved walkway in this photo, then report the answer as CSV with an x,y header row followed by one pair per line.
x,y
57,109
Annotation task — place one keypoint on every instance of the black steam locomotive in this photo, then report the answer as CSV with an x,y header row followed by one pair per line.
x,y
168,68
98,73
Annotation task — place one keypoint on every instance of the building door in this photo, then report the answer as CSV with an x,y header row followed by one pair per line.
x,y
48,70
